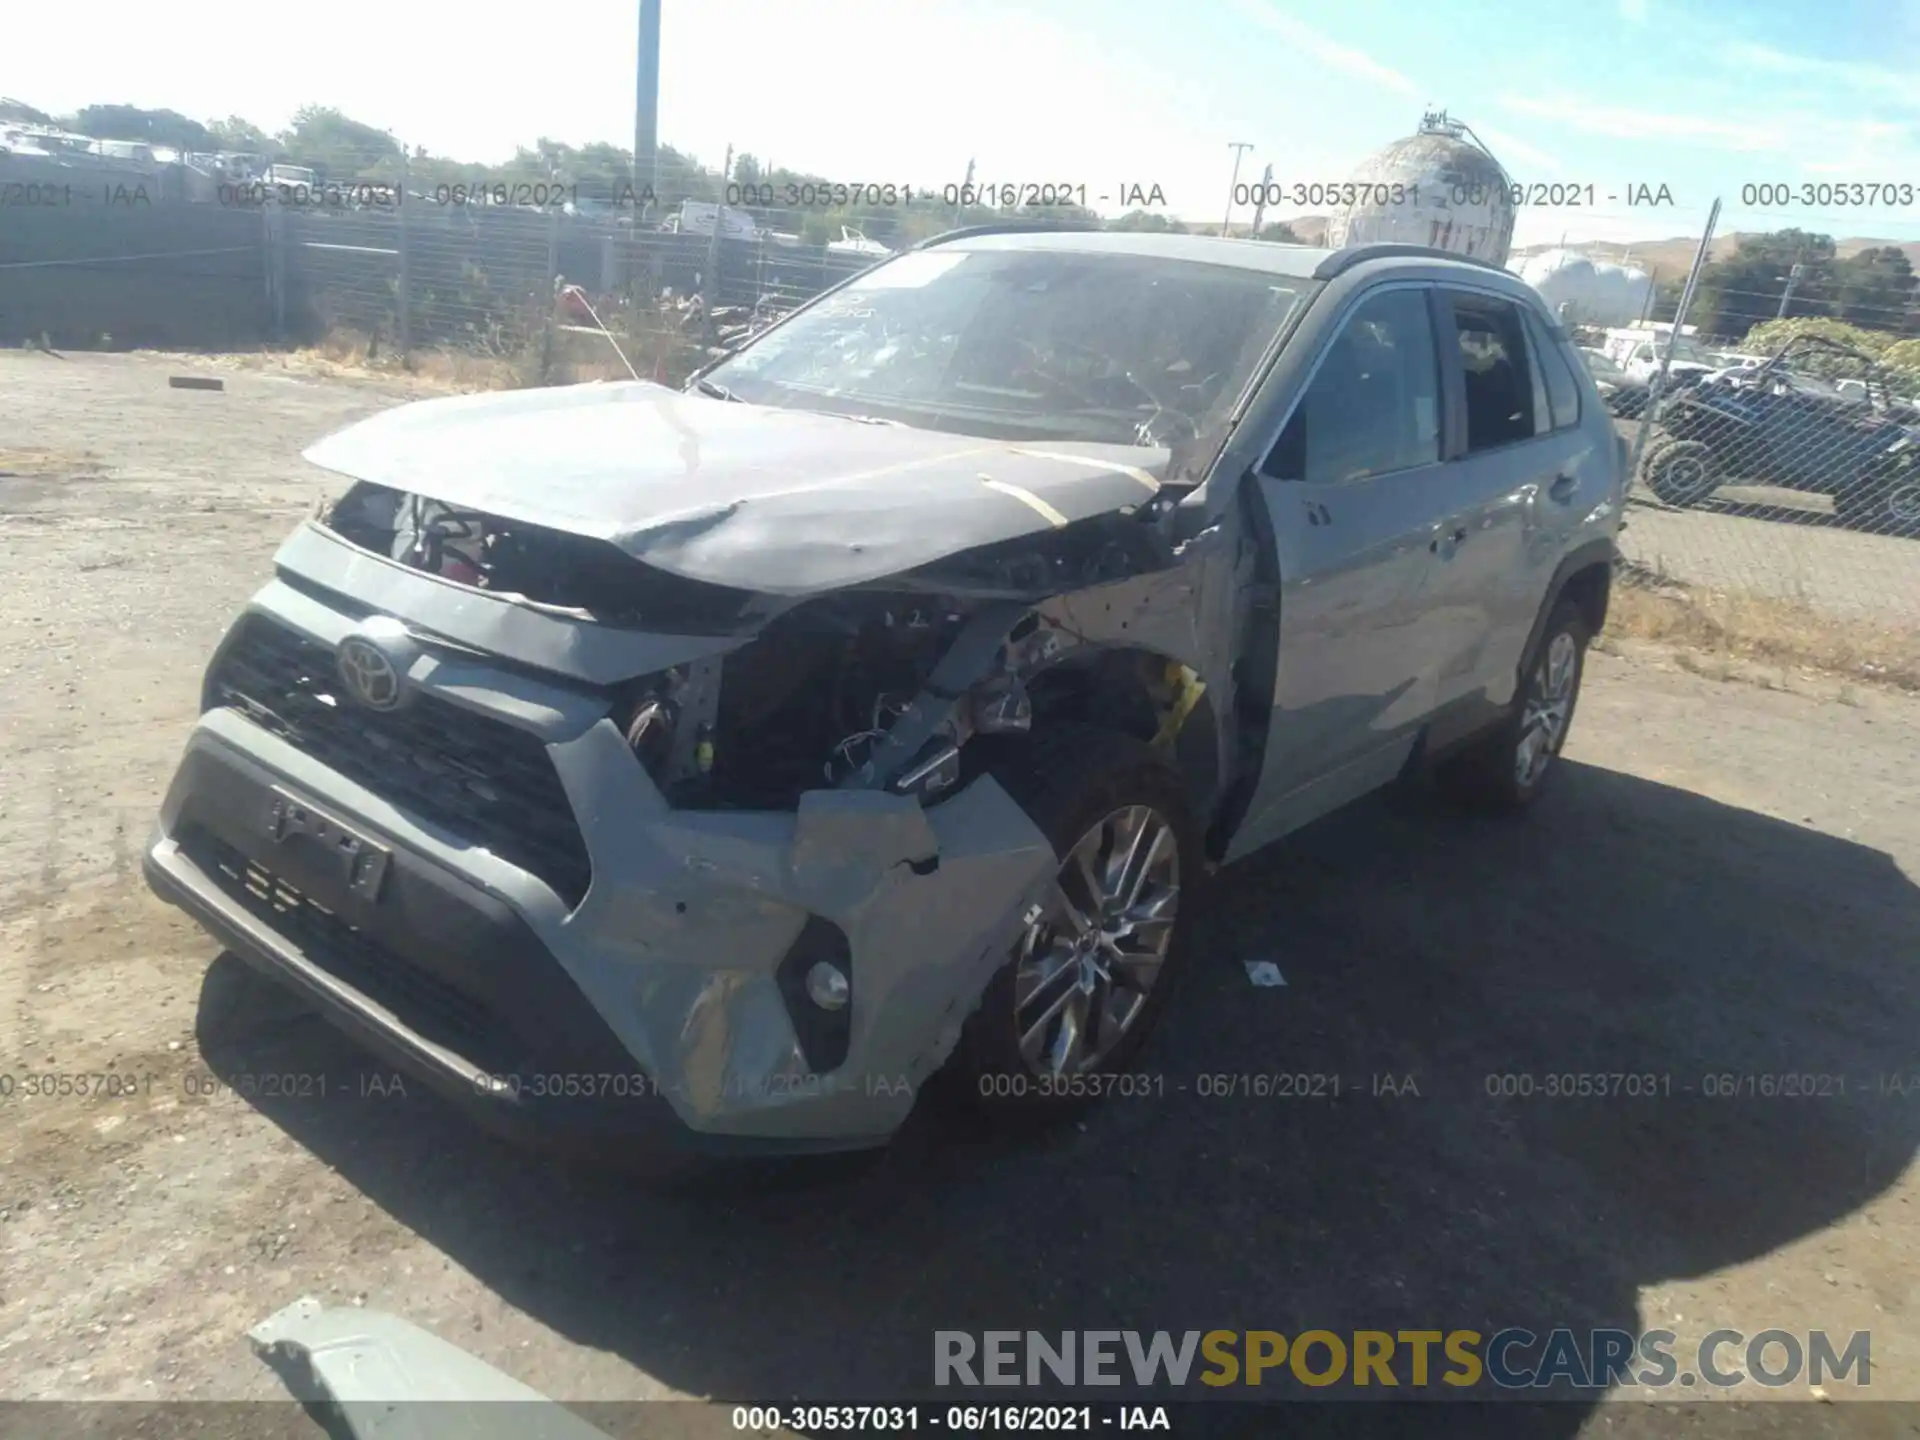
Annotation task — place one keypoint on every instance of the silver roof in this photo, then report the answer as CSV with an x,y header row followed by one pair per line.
x,y
1298,261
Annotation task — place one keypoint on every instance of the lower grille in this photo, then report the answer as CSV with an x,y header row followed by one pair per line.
x,y
427,1005
483,781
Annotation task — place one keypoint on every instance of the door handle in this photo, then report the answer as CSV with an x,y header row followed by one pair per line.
x,y
1563,488
1452,539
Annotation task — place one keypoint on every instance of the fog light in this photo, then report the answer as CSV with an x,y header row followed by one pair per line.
x,y
828,986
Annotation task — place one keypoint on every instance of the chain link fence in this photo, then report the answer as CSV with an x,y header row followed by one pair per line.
x,y
1778,471
1778,468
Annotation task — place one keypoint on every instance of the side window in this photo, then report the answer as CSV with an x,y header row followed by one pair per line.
x,y
1563,391
1373,405
1497,373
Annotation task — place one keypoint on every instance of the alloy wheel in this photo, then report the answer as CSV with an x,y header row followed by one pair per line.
x,y
1548,706
1092,955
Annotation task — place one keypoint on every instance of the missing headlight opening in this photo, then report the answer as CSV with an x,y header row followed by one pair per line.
x,y
548,567
802,707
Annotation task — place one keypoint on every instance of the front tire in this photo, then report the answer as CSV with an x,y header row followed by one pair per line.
x,y
1509,770
1090,973
1683,473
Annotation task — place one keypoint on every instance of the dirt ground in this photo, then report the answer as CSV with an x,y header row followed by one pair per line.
x,y
1723,885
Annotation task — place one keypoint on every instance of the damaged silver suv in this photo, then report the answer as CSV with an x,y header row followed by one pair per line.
x,y
710,768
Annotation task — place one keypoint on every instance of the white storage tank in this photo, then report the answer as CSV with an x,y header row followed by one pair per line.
x,y
1594,292
1437,187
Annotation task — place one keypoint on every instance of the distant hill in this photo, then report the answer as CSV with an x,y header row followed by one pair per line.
x,y
1665,258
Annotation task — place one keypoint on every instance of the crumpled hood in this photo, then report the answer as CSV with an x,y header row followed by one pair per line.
x,y
748,496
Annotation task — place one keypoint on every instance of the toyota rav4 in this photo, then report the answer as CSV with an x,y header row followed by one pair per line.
x,y
711,767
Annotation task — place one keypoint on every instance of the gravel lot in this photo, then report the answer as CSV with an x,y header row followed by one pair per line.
x,y
1777,543
1724,884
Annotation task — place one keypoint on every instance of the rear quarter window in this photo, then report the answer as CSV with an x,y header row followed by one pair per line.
x,y
1563,390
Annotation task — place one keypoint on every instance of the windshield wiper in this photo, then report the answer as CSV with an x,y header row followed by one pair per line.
x,y
717,391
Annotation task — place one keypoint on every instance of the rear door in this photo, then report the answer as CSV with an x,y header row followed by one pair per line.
x,y
1354,487
1523,473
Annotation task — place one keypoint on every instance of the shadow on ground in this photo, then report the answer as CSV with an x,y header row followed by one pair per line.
x,y
1625,927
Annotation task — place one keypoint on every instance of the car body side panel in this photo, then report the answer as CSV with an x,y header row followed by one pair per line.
x,y
1357,644
1488,573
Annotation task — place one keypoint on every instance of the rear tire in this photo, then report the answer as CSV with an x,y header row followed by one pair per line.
x,y
1682,473
1884,507
1088,978
1508,770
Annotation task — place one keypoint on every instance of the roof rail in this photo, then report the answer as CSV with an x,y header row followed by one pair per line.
x,y
1004,227
1341,261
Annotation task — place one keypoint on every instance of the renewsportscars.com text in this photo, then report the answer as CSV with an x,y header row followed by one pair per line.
x,y
1510,1359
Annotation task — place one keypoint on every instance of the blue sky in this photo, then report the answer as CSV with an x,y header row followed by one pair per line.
x,y
1702,98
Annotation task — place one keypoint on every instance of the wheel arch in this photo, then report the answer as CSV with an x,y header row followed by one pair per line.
x,y
1143,693
1584,576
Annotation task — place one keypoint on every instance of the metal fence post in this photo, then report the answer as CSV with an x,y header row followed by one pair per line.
x,y
1659,380
710,275
273,240
403,285
552,295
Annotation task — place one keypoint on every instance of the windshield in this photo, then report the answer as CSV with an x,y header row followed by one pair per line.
x,y
1600,367
1025,345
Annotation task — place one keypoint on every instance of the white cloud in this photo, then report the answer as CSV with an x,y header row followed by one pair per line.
x,y
1324,49
1508,147
1634,12
1848,79
1782,143
1616,122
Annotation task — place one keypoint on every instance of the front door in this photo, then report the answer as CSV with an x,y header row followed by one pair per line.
x,y
1355,488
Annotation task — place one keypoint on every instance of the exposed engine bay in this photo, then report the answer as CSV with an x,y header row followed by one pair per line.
x,y
803,707
810,700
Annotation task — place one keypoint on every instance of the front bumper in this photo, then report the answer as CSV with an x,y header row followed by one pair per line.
x,y
661,1008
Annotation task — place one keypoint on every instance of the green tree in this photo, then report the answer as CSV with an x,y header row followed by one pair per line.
x,y
19,111
340,148
242,135
1280,233
1148,221
1739,292
1875,288
130,122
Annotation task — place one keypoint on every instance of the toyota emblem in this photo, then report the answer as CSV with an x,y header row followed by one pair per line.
x,y
369,675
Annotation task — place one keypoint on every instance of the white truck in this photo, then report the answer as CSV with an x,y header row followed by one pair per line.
x,y
1637,350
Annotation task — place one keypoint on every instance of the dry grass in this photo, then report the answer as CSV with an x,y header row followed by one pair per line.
x,y
657,353
1717,628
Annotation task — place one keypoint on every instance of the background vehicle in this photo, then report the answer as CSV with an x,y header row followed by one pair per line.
x,y
1772,425
1623,396
1690,362
873,709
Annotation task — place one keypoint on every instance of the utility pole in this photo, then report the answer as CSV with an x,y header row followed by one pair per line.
x,y
1260,207
1657,383
710,277
646,104
1793,282
1239,148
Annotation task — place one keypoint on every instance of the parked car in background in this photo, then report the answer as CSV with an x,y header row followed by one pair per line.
x,y
1622,395
1689,363
872,709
